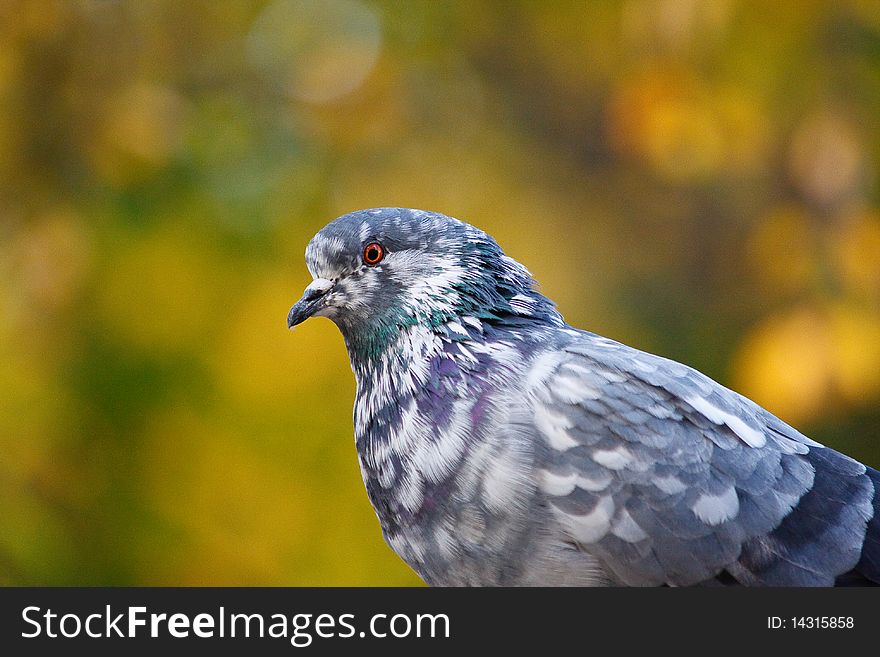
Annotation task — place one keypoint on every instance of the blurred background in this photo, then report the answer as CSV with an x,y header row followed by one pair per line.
x,y
697,178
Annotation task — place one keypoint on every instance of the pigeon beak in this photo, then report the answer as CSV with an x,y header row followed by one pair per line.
x,y
311,302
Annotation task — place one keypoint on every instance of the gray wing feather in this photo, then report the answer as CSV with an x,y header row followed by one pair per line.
x,y
670,478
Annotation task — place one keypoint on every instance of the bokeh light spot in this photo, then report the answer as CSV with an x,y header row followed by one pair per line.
x,y
315,50
784,364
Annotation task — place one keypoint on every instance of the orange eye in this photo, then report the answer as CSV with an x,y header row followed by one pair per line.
x,y
373,253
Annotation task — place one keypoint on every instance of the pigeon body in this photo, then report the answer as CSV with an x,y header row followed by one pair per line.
x,y
500,446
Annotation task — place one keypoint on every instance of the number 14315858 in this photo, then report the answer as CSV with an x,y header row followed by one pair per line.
x,y
810,623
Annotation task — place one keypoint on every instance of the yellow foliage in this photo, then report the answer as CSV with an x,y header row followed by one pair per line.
x,y
799,364
50,260
855,353
261,364
143,129
222,492
856,252
785,365
163,291
684,129
783,248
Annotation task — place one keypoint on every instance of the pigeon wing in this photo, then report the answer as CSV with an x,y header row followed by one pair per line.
x,y
670,478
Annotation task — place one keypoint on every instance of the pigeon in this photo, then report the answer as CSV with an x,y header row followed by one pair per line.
x,y
500,446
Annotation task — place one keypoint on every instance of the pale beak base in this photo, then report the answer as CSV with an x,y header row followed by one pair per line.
x,y
312,300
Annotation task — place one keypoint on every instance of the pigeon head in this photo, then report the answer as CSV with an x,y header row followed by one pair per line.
x,y
377,272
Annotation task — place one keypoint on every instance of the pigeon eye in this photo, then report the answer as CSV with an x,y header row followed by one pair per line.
x,y
373,253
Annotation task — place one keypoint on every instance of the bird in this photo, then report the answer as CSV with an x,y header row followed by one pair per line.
x,y
500,446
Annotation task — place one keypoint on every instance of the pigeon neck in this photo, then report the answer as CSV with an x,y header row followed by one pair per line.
x,y
391,352
401,343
